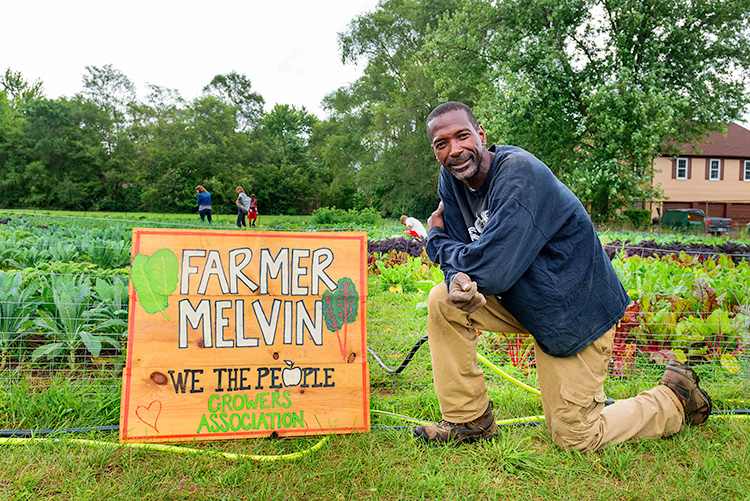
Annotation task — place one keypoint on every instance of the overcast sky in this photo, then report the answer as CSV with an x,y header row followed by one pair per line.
x,y
287,48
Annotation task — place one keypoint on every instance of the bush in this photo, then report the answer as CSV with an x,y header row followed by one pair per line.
x,y
333,216
639,218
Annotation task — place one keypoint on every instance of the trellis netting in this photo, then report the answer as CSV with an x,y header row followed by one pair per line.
x,y
64,308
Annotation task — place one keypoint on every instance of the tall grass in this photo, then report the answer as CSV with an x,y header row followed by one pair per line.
x,y
706,463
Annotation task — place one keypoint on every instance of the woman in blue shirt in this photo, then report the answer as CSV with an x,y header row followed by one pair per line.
x,y
204,203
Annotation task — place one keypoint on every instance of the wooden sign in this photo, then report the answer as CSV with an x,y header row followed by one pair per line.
x,y
235,335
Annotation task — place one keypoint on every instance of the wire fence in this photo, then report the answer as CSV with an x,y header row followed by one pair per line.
x,y
64,310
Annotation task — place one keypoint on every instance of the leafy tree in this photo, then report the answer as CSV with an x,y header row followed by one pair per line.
x,y
185,145
286,178
11,156
395,169
218,152
113,92
234,90
336,148
15,93
289,129
597,88
18,90
63,156
159,125
105,149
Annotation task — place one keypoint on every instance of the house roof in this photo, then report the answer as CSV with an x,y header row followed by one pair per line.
x,y
736,143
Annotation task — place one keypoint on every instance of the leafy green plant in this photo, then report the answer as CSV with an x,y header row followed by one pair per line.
x,y
111,314
68,268
639,218
29,257
16,306
114,232
685,307
70,324
18,233
517,346
656,331
406,273
6,253
107,253
63,253
327,216
718,337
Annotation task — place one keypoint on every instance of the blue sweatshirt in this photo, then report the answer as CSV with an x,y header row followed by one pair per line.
x,y
524,237
204,199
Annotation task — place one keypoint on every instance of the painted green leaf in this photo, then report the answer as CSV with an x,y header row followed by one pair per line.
x,y
155,278
340,308
349,299
163,271
332,311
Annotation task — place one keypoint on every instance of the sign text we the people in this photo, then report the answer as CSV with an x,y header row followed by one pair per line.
x,y
238,335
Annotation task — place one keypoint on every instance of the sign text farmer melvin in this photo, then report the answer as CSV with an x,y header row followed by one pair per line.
x,y
291,272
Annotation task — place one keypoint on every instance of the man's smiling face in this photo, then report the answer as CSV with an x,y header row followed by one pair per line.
x,y
459,147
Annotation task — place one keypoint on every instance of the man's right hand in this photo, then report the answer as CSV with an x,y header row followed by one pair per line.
x,y
464,294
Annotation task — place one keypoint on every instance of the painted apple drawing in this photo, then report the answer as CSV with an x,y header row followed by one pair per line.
x,y
292,375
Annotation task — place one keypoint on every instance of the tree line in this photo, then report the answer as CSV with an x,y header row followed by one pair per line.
x,y
595,89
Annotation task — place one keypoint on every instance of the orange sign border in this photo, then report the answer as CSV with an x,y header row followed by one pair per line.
x,y
135,248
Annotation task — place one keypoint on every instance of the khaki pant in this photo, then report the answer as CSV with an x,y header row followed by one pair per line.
x,y
572,387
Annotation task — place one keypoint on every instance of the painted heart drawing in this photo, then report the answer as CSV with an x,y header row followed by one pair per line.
x,y
149,414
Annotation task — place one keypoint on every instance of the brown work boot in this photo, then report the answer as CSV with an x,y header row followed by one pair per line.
x,y
683,381
482,428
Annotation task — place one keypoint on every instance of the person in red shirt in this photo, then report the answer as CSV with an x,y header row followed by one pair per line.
x,y
252,213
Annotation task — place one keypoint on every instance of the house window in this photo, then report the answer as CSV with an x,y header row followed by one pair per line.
x,y
746,174
682,168
714,169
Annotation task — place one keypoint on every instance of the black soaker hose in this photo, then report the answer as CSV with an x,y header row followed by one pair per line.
x,y
29,433
406,361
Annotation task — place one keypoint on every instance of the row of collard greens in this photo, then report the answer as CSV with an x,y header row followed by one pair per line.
x,y
64,306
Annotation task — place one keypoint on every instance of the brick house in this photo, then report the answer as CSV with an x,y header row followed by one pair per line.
x,y
715,176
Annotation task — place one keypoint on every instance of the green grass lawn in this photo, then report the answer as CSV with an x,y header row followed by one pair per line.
x,y
708,462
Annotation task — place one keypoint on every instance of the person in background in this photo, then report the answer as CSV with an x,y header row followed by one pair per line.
x,y
204,203
252,213
521,255
414,227
243,207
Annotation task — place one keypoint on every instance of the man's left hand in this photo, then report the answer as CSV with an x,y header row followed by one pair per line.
x,y
464,294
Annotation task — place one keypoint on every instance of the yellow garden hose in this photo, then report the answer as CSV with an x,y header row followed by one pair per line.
x,y
171,448
507,376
